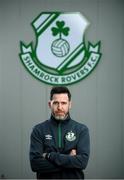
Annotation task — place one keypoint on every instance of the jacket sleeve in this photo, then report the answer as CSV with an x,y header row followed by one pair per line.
x,y
77,161
37,162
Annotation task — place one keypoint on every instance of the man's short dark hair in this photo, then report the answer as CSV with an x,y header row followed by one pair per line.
x,y
60,90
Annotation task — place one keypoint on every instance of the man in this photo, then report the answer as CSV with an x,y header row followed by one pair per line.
x,y
59,146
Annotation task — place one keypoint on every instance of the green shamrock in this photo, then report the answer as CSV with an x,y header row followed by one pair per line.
x,y
60,29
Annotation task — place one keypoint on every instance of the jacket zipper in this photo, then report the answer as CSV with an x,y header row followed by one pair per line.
x,y
59,136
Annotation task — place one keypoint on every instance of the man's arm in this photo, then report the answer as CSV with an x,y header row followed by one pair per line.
x,y
37,161
77,158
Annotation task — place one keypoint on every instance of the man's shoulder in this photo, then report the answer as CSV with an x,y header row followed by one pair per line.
x,y
79,124
41,124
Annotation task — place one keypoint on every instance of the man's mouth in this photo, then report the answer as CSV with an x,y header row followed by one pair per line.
x,y
59,112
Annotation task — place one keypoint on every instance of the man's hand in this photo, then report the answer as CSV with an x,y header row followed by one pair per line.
x,y
44,155
73,152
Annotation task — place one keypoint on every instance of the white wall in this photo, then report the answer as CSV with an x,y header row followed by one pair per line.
x,y
98,100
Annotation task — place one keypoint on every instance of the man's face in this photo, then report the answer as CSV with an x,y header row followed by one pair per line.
x,y
60,106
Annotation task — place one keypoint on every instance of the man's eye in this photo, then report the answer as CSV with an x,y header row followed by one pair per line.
x,y
55,103
63,103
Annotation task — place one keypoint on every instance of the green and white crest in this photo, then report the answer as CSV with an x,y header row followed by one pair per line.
x,y
70,136
60,56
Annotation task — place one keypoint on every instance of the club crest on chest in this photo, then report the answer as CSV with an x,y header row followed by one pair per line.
x,y
70,136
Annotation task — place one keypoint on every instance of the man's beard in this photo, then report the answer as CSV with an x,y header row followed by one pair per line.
x,y
60,117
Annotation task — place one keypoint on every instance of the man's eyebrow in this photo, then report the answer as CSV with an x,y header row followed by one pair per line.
x,y
55,101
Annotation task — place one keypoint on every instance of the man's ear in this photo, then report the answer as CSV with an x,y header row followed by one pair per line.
x,y
49,104
70,104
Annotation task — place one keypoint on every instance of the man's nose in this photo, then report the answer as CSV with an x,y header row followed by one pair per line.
x,y
59,106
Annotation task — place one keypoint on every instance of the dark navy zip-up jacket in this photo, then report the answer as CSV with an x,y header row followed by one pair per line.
x,y
57,139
